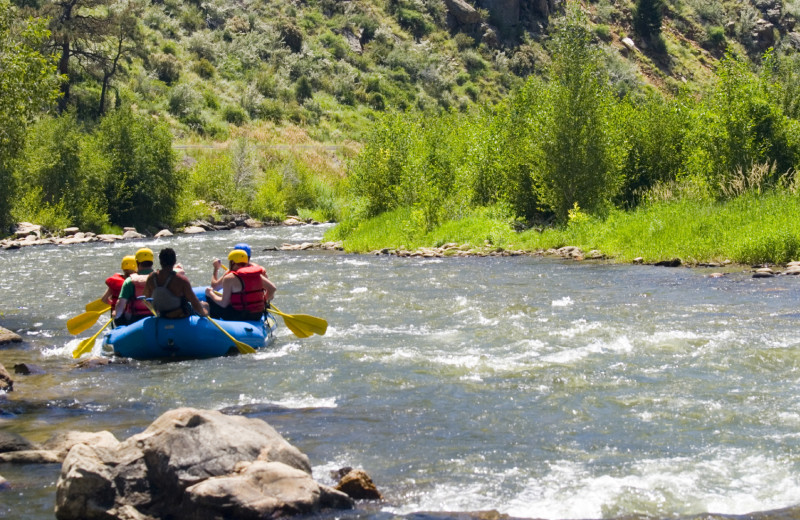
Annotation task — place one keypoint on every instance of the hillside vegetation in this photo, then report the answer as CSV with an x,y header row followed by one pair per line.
x,y
529,111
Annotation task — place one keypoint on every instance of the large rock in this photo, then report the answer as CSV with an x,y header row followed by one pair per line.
x,y
25,229
55,450
192,464
6,383
464,13
6,336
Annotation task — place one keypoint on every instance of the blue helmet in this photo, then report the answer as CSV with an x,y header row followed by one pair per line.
x,y
244,247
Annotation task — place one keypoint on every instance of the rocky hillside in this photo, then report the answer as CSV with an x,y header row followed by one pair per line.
x,y
217,68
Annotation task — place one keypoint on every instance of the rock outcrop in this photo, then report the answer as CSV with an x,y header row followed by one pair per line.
x,y
6,383
6,336
196,464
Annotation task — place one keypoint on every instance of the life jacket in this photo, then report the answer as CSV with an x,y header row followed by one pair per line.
x,y
164,300
114,282
136,307
251,297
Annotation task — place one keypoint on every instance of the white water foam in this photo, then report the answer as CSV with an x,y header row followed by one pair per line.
x,y
571,355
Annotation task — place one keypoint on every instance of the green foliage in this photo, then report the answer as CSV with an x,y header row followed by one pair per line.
x,y
581,151
204,68
655,128
234,114
27,85
140,184
60,179
738,126
647,18
750,229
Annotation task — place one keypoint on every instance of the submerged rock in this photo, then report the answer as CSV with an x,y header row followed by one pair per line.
x,y
359,486
195,464
10,441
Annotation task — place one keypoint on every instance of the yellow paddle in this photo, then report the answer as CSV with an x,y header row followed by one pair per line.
x,y
87,344
304,322
244,348
97,305
83,321
301,325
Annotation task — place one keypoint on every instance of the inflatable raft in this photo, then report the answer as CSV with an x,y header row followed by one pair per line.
x,y
187,338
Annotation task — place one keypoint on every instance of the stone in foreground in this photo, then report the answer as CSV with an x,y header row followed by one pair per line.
x,y
192,464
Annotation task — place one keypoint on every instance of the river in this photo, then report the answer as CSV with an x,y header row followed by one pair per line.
x,y
538,388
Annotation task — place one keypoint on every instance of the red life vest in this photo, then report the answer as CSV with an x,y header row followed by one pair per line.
x,y
136,306
114,282
251,298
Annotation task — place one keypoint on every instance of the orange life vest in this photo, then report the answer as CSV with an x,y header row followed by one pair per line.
x,y
251,297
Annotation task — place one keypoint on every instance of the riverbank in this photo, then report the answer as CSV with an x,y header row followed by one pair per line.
x,y
28,234
751,230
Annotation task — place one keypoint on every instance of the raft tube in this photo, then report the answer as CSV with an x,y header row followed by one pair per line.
x,y
187,338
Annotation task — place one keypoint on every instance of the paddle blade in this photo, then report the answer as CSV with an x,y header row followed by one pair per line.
x,y
303,322
87,344
243,348
82,321
297,331
309,323
97,306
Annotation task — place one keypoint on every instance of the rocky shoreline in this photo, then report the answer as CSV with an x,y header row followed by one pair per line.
x,y
28,234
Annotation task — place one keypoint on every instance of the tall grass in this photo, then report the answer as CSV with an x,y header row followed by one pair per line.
x,y
750,229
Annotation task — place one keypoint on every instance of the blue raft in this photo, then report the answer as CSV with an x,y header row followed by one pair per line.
x,y
187,338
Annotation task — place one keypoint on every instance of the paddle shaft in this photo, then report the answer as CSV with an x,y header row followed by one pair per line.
x,y
87,344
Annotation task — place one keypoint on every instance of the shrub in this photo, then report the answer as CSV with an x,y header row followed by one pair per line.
x,y
234,114
473,61
184,100
715,36
204,68
303,89
140,184
59,174
167,67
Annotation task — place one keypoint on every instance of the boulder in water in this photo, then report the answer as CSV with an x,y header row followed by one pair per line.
x,y
192,463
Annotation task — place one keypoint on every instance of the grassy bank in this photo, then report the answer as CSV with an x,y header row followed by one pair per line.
x,y
749,229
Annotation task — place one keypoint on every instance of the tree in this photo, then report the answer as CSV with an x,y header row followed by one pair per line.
x,y
98,34
581,156
122,41
647,18
141,182
27,85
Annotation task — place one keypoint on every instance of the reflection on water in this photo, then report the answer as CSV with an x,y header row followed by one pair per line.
x,y
537,388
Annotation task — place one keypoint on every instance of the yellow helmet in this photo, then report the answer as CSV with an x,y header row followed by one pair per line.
x,y
237,256
129,263
144,255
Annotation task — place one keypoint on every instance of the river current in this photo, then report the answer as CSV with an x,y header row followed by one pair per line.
x,y
539,388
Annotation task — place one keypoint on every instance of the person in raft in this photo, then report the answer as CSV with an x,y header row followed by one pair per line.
x,y
130,308
246,291
115,281
172,293
216,282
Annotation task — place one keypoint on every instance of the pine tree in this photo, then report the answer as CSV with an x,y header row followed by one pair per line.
x,y
647,18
